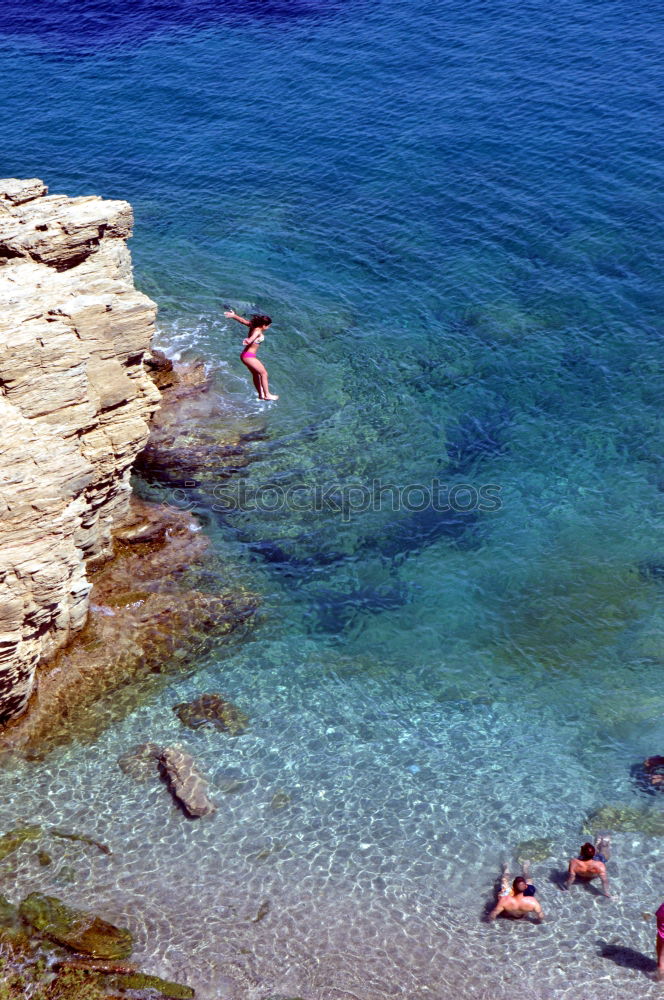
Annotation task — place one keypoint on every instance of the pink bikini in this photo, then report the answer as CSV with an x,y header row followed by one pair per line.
x,y
660,921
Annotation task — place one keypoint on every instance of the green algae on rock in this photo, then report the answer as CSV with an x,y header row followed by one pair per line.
x,y
625,819
141,981
536,849
76,929
8,913
212,710
12,840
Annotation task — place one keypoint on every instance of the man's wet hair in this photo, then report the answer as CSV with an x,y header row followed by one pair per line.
x,y
519,884
587,852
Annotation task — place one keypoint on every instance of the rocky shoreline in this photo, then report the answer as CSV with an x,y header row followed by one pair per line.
x,y
102,595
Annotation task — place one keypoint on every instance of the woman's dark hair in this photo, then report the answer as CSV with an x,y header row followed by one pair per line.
x,y
256,320
587,852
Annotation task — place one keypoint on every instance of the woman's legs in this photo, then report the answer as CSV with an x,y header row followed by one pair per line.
x,y
259,376
659,947
265,387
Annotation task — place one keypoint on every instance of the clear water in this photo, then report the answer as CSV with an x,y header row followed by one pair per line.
x,y
453,213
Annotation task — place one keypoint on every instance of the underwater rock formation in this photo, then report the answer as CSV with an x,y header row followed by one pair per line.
x,y
211,710
625,819
75,404
187,784
78,930
150,617
8,913
141,762
189,444
150,985
12,840
33,936
537,849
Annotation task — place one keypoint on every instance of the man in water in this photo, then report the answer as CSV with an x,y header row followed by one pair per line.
x,y
516,901
652,767
590,864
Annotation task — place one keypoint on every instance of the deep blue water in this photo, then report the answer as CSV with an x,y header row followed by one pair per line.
x,y
453,212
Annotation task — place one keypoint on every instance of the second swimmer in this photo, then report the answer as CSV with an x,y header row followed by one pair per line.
x,y
257,327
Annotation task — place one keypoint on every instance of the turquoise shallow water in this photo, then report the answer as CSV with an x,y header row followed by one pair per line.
x,y
453,213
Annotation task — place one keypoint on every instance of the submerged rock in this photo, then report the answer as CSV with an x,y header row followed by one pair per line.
x,y
189,440
537,849
82,838
151,620
263,911
625,819
96,965
141,981
11,841
280,799
141,763
75,929
212,710
186,783
8,913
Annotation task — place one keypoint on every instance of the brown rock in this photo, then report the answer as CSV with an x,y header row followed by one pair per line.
x,y
141,762
76,929
187,784
213,711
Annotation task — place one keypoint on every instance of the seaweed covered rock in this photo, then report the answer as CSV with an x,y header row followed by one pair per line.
x,y
625,819
185,781
536,849
212,710
12,840
76,929
153,984
8,913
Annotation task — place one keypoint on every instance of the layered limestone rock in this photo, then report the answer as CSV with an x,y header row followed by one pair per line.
x,y
75,403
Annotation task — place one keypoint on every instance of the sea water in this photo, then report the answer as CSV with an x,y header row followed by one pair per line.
x,y
452,211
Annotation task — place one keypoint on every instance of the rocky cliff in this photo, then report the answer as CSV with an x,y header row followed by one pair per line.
x,y
75,403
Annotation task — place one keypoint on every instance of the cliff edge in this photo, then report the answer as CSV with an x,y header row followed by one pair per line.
x,y
75,404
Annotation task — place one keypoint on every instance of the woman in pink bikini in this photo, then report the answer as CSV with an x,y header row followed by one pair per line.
x,y
659,942
257,326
